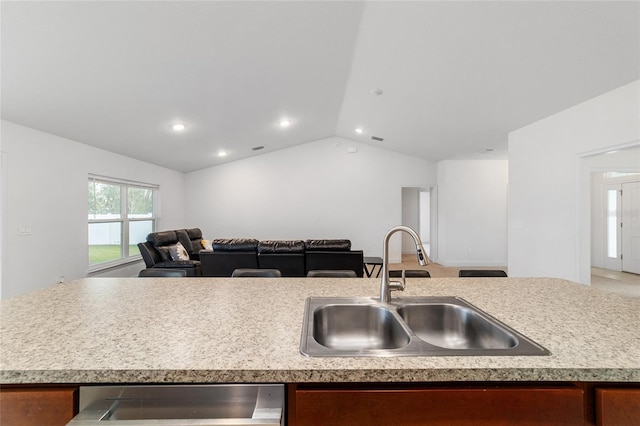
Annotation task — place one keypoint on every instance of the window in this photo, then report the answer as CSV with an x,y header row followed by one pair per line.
x,y
121,214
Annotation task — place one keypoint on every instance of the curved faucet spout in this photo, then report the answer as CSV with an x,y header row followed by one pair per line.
x,y
386,285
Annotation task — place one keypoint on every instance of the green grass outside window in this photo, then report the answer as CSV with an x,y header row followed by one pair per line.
x,y
106,253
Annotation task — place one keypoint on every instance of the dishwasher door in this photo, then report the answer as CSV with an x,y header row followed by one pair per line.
x,y
242,404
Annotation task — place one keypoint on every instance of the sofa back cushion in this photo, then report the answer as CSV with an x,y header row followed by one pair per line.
x,y
327,245
161,241
280,246
162,238
235,244
191,240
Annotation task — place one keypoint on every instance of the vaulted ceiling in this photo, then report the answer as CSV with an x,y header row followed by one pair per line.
x,y
436,80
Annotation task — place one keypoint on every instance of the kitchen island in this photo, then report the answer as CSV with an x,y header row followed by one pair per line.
x,y
247,330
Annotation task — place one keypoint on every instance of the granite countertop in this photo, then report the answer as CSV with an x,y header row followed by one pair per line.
x,y
218,330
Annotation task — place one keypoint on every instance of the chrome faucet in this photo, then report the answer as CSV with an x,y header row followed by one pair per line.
x,y
386,285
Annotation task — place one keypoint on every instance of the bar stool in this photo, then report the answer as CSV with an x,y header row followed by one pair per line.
x,y
328,273
410,273
467,273
249,272
162,272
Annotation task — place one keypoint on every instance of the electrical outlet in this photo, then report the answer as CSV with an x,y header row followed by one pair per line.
x,y
61,279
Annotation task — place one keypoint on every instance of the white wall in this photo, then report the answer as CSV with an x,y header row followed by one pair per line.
x,y
549,230
47,191
314,190
472,212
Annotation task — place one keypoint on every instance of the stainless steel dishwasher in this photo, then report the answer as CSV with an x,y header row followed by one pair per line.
x,y
241,404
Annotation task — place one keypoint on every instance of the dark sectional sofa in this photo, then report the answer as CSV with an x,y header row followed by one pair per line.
x,y
293,258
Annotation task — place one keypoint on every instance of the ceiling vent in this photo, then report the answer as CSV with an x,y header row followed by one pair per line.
x,y
257,148
375,138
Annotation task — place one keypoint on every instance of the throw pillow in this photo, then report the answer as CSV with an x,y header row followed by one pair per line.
x,y
178,252
206,244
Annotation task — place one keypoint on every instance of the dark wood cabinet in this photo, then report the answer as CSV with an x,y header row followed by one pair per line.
x,y
439,405
38,406
617,406
355,404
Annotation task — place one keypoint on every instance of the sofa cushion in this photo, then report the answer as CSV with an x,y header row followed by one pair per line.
x,y
163,251
178,264
194,233
327,245
235,244
281,246
163,238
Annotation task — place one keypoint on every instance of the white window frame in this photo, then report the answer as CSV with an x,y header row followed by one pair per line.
x,y
124,220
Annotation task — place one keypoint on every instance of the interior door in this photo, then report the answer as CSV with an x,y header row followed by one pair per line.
x,y
631,227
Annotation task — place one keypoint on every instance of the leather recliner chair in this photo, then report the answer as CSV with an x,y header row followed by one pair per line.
x,y
156,253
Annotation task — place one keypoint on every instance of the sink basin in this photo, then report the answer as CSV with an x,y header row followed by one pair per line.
x,y
421,326
455,327
355,327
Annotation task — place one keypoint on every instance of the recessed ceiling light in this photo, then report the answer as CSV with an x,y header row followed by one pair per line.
x,y
376,91
222,154
178,127
285,123
359,130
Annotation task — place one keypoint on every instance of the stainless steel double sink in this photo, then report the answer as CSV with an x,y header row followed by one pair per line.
x,y
420,326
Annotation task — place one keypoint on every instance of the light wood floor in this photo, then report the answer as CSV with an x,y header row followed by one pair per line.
x,y
622,283
436,270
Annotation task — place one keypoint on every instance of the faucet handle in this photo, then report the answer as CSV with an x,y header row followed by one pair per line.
x,y
398,285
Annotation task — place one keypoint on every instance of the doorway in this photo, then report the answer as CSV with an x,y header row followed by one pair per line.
x,y
419,212
616,225
600,209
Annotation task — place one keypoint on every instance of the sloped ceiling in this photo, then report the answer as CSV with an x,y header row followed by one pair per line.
x,y
455,77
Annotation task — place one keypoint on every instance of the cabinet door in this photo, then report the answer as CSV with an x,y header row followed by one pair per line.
x,y
474,407
38,406
617,407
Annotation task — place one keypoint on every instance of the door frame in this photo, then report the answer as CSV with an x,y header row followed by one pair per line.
x,y
627,212
583,205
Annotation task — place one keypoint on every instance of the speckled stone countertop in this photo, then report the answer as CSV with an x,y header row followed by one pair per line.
x,y
217,330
